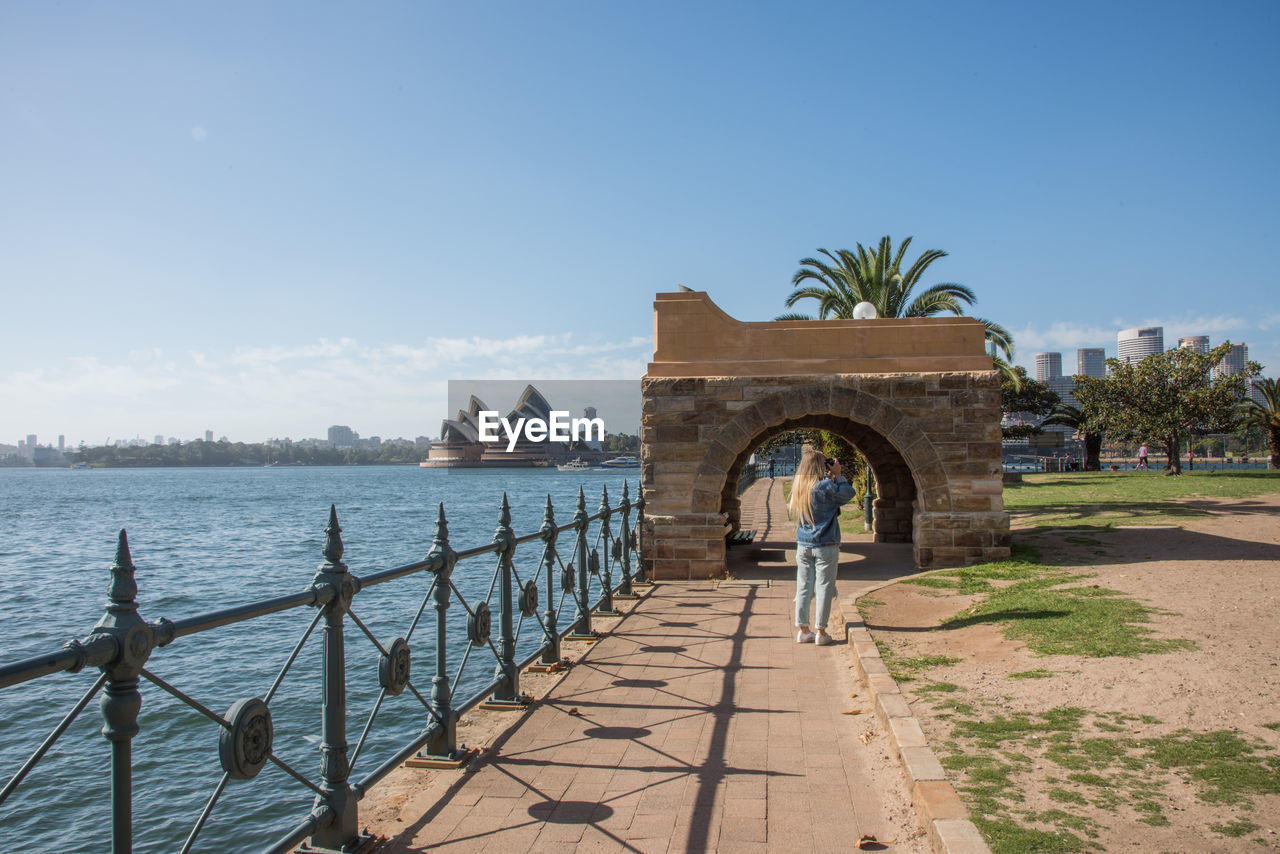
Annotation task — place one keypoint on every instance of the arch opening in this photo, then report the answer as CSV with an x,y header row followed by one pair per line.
x,y
896,491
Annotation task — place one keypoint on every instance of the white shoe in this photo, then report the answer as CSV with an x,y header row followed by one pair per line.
x,y
824,639
804,637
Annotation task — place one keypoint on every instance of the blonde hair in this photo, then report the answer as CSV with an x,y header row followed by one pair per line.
x,y
811,470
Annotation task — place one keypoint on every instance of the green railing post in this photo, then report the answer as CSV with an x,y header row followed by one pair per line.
x,y
582,616
444,745
551,637
624,589
121,700
343,833
508,693
868,496
606,538
642,571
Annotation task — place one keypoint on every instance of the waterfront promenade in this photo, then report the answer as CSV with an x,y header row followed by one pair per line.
x,y
696,723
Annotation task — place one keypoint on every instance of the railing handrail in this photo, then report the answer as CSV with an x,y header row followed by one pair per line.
x,y
122,642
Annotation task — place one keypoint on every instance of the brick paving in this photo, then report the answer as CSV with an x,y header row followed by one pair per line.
x,y
697,723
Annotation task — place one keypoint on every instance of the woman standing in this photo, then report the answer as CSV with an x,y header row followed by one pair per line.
x,y
817,493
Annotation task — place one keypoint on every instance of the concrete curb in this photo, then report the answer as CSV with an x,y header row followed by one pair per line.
x,y
937,804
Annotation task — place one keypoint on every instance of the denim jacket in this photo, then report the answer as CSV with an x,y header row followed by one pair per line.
x,y
828,495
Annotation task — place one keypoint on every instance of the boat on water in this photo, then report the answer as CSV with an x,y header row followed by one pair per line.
x,y
623,462
575,465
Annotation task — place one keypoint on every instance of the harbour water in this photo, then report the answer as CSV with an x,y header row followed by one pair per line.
x,y
205,539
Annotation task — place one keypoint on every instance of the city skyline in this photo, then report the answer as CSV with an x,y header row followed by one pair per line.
x,y
339,214
1040,364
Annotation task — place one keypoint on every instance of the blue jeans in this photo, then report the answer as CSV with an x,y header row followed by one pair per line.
x,y
816,563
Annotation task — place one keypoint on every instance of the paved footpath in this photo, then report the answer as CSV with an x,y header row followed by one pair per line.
x,y
697,723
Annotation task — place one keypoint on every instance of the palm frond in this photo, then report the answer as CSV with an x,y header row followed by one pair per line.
x,y
1065,415
811,292
998,335
1008,373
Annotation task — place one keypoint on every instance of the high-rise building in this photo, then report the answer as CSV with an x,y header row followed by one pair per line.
x,y
1255,392
159,440
1232,363
208,435
62,442
1194,343
1065,388
341,436
1134,345
1048,366
1091,362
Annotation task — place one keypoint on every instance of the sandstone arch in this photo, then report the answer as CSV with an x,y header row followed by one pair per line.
x,y
918,396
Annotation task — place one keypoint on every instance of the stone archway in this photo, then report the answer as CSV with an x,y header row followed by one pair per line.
x,y
918,397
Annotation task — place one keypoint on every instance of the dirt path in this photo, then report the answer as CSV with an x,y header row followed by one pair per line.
x,y
1146,753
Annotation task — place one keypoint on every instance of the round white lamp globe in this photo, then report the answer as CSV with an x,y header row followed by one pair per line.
x,y
864,311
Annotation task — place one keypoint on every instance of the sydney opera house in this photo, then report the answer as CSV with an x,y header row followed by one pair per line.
x,y
460,445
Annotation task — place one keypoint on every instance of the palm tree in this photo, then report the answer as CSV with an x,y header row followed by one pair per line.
x,y
847,278
1066,415
1267,416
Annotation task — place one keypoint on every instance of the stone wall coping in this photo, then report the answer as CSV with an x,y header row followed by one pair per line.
x,y
694,337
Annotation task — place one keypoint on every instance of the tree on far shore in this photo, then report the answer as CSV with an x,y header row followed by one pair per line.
x,y
1164,397
1267,416
1085,423
1020,393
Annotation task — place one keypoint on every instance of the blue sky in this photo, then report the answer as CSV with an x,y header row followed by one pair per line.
x,y
263,219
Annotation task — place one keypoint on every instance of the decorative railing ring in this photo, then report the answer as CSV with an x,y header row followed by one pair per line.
x,y
479,624
393,668
527,601
244,746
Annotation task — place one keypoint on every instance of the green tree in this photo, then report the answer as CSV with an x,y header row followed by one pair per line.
x,y
876,276
846,278
1085,423
1266,416
1020,393
1164,397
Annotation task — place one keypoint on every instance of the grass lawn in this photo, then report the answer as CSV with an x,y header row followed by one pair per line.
x,y
1098,762
1108,499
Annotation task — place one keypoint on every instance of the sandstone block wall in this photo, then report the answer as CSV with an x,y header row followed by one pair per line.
x,y
933,440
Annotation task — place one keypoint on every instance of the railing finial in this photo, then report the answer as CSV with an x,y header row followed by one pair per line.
x,y
441,539
123,589
333,547
504,514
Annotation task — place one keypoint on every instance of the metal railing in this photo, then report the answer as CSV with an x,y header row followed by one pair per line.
x,y
754,471
122,643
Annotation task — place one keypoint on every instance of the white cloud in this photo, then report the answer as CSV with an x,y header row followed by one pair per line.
x,y
1269,321
254,392
1060,336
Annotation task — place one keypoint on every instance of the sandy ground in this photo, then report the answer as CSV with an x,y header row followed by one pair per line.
x,y
1215,582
